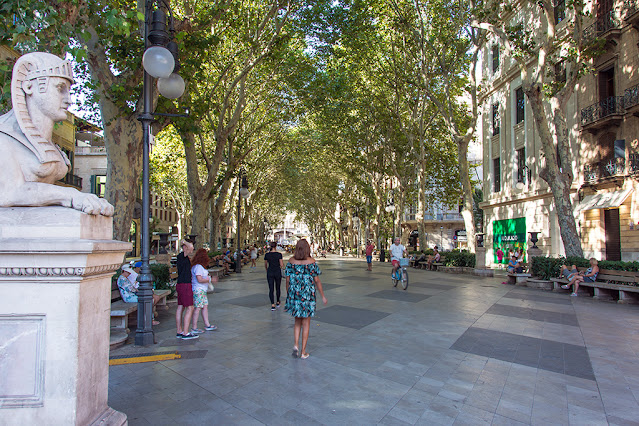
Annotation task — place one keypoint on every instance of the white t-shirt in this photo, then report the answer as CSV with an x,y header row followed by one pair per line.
x,y
195,271
397,251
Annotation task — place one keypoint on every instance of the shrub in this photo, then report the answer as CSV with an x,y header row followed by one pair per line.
x,y
459,258
548,267
162,277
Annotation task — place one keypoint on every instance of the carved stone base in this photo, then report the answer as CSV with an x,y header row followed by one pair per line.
x,y
55,315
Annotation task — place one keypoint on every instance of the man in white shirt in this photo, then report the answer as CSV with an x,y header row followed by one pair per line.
x,y
397,252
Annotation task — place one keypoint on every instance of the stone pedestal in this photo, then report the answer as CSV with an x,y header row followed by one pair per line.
x,y
55,280
533,252
480,257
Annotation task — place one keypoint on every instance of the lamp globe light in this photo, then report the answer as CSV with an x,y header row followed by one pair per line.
x,y
158,62
171,87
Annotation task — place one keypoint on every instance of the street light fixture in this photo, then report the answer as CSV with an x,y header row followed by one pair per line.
x,y
158,62
243,193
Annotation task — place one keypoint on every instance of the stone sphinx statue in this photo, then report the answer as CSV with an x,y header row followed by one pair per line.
x,y
30,163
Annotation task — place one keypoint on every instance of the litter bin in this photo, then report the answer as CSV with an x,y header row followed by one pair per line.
x,y
382,255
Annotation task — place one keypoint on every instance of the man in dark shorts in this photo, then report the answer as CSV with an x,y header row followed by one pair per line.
x,y
184,292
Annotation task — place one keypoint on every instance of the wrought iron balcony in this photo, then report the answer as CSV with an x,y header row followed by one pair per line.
x,y
632,11
613,167
610,107
72,180
633,163
594,172
631,97
608,23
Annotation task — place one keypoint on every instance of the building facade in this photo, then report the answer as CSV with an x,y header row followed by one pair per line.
x,y
603,129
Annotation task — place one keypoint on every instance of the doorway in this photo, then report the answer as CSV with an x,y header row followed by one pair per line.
x,y
613,240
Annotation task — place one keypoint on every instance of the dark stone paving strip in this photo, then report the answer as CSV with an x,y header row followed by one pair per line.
x,y
433,286
250,301
550,298
325,286
347,316
533,314
354,278
401,295
562,358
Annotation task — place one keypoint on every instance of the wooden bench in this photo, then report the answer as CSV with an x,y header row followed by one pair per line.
x,y
434,265
120,312
610,285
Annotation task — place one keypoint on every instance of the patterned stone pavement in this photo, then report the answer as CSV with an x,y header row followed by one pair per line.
x,y
452,349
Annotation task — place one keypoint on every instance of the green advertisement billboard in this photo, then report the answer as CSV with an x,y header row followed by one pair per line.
x,y
509,234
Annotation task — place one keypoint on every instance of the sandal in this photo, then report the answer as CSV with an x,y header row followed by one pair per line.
x,y
156,322
304,356
295,352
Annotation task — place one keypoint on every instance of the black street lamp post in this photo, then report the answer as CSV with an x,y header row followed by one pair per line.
x,y
243,193
158,62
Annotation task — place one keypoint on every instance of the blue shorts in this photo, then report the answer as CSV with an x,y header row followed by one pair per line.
x,y
369,259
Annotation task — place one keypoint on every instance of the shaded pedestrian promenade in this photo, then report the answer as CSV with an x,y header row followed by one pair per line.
x,y
452,349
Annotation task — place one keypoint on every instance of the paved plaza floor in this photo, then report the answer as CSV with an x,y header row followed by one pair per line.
x,y
452,349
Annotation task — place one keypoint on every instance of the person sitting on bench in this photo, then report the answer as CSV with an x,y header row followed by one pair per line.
x,y
420,259
574,277
435,258
514,266
129,289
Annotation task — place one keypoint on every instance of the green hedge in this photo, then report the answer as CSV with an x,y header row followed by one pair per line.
x,y
459,258
546,268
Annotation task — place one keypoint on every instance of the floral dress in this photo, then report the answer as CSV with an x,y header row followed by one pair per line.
x,y
300,299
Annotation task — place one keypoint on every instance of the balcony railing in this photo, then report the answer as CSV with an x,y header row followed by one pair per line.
x,y
631,97
595,112
73,180
633,163
631,6
602,25
607,168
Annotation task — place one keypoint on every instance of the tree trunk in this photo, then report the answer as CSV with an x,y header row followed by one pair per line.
x,y
467,192
558,181
123,142
421,196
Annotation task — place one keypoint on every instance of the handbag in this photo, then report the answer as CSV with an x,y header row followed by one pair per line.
x,y
211,288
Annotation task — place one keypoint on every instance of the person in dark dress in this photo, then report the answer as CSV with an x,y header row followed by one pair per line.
x,y
274,264
184,292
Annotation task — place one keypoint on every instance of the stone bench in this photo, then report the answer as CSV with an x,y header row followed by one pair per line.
x,y
518,278
603,289
216,272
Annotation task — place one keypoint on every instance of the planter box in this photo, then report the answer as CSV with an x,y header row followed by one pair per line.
x,y
540,284
468,271
450,269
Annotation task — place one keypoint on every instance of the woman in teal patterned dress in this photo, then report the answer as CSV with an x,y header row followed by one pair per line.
x,y
302,279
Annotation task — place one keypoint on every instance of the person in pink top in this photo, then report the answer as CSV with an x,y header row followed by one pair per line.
x,y
369,255
500,256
